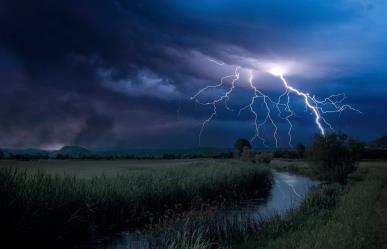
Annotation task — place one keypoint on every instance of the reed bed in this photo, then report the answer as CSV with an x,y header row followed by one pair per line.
x,y
37,207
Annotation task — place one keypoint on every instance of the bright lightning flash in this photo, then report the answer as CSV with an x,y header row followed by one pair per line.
x,y
276,71
331,104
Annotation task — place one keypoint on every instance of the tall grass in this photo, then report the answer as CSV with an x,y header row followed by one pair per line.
x,y
38,207
246,231
183,240
217,230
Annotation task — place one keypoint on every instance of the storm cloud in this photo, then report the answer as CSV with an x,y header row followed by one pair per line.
x,y
120,73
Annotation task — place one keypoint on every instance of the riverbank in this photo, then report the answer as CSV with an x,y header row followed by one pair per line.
x,y
46,209
334,217
295,166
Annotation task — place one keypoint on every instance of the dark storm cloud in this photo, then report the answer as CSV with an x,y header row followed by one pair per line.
x,y
98,130
121,72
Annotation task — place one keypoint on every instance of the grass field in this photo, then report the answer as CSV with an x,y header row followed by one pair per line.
x,y
55,200
93,168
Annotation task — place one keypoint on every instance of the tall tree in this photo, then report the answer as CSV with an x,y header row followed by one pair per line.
x,y
239,145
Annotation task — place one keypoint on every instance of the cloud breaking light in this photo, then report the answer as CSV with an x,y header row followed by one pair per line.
x,y
276,71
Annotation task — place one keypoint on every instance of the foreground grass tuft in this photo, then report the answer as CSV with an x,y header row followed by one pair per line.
x,y
183,240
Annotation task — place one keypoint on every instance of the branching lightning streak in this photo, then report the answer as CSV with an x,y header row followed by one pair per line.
x,y
268,117
316,106
219,63
307,98
331,104
225,98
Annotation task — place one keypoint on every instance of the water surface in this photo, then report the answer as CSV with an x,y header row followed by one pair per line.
x,y
288,191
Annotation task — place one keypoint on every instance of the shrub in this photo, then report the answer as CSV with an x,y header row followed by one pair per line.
x,y
334,156
289,154
263,157
248,154
300,148
239,146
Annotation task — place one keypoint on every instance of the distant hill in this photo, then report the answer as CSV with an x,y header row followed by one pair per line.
x,y
379,143
72,151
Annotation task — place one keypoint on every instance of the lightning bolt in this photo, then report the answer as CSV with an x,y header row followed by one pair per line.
x,y
307,98
268,117
282,105
316,106
219,63
224,98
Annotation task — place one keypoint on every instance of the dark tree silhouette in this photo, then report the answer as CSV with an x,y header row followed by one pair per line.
x,y
300,148
334,156
239,145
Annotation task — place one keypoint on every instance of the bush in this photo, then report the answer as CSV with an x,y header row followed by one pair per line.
x,y
288,154
240,145
263,157
300,148
248,154
334,156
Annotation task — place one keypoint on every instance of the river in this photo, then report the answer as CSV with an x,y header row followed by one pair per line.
x,y
287,193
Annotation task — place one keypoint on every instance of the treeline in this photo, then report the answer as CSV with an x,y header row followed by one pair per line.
x,y
23,157
221,155
29,157
170,156
288,154
364,154
369,153
242,149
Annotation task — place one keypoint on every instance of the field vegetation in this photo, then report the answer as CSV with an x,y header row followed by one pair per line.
x,y
36,206
339,216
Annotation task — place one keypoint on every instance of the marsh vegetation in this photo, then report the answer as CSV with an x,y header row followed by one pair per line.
x,y
36,206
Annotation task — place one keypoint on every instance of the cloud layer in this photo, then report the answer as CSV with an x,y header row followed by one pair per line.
x,y
120,73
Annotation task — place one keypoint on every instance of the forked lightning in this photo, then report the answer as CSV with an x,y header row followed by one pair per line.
x,y
331,104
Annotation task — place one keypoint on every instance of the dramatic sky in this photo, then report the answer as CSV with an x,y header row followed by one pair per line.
x,y
100,73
